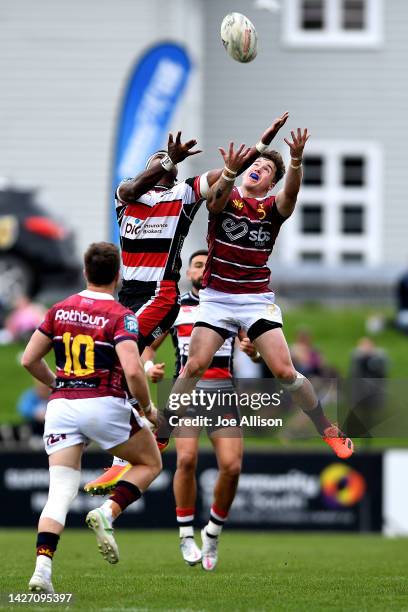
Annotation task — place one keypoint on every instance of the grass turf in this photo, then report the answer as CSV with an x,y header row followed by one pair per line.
x,y
335,333
262,571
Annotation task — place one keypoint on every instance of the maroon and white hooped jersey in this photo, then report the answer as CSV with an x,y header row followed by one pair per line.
x,y
84,329
240,240
153,229
221,365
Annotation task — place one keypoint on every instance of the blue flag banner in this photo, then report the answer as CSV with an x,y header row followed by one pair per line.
x,y
156,85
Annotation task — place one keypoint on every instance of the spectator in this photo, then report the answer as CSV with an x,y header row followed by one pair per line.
x,y
32,405
368,372
402,304
306,358
24,319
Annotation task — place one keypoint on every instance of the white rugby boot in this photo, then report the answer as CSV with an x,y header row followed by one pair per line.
x,y
40,583
190,551
209,551
97,521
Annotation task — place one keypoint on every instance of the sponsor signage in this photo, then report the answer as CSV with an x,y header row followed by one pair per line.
x,y
306,491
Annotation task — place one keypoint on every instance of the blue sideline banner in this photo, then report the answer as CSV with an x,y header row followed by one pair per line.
x,y
278,491
155,87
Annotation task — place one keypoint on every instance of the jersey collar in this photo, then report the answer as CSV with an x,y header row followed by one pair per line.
x,y
96,295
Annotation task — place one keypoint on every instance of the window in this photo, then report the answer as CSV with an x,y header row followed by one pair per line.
x,y
353,14
313,170
353,171
352,258
352,218
338,219
333,23
311,257
312,218
312,15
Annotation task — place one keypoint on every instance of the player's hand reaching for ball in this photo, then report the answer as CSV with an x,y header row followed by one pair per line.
x,y
178,151
270,133
234,160
298,143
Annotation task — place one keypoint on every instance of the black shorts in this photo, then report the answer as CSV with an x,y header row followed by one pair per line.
x,y
156,306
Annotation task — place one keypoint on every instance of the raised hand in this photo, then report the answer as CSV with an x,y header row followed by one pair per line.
x,y
298,143
178,151
234,160
274,128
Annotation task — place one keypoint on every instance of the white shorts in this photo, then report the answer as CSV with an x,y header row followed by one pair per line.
x,y
108,421
232,311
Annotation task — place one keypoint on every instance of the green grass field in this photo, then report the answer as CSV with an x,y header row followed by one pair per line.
x,y
335,332
261,571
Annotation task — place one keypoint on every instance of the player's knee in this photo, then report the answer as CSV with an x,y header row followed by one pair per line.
x,y
195,367
285,373
64,483
231,468
186,462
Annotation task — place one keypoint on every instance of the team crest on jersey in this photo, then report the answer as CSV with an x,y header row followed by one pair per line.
x,y
238,204
261,211
131,324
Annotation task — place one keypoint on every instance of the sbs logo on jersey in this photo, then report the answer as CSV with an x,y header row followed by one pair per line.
x,y
259,236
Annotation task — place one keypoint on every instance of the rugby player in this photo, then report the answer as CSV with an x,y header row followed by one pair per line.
x,y
95,343
154,216
226,441
244,223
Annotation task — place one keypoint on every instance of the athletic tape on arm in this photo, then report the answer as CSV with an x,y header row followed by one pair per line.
x,y
204,186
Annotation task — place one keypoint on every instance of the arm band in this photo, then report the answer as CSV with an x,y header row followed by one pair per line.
x,y
261,147
148,365
228,178
167,163
204,186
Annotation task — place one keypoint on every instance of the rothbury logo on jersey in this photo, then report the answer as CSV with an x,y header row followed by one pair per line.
x,y
77,316
131,324
133,227
234,230
259,236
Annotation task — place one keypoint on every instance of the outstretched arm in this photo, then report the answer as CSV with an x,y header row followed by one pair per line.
x,y
219,192
130,191
286,198
255,151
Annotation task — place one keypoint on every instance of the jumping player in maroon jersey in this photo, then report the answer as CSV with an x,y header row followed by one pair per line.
x,y
154,217
243,225
95,343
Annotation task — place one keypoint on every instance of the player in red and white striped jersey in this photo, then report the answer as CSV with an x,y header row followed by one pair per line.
x,y
154,217
243,225
226,440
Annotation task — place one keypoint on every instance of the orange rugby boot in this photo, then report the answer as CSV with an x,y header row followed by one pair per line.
x,y
107,481
338,441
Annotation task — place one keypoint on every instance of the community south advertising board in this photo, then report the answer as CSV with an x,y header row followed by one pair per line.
x,y
309,491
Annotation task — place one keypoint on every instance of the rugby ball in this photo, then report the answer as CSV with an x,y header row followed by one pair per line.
x,y
239,37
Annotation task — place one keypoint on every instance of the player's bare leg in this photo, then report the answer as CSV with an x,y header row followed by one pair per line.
x,y
185,491
65,468
228,448
142,453
274,350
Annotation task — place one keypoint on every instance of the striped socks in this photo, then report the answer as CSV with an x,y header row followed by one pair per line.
x,y
185,519
216,522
